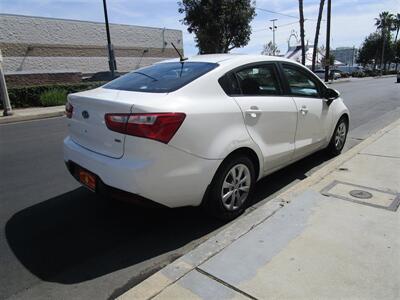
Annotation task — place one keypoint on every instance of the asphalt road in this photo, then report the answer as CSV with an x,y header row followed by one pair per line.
x,y
58,240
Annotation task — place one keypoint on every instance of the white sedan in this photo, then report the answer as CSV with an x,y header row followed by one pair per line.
x,y
201,131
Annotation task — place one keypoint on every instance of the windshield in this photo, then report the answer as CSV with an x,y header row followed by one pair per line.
x,y
161,78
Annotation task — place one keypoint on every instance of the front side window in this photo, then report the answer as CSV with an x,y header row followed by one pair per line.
x,y
258,81
300,83
161,78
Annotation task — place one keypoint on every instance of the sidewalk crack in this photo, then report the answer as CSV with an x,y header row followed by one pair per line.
x,y
356,138
378,155
225,283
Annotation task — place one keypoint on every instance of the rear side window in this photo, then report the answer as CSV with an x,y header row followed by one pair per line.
x,y
161,78
229,84
258,81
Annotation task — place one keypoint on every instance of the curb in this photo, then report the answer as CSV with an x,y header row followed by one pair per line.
x,y
384,76
339,81
167,276
16,118
360,78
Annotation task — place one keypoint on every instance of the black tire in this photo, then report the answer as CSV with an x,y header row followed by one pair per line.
x,y
334,148
213,203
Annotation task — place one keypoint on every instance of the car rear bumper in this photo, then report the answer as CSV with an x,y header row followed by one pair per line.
x,y
165,175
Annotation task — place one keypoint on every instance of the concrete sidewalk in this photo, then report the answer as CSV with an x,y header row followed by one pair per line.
x,y
335,235
33,113
352,79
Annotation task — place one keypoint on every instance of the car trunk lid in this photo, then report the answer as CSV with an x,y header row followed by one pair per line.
x,y
87,125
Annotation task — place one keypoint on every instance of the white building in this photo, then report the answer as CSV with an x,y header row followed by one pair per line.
x,y
35,44
294,52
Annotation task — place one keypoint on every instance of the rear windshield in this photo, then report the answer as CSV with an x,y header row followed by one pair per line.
x,y
161,78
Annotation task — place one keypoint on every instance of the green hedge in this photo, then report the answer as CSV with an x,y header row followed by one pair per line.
x,y
344,75
359,74
389,72
30,96
372,73
53,97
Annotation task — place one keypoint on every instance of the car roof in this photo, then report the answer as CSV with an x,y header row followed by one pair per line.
x,y
228,59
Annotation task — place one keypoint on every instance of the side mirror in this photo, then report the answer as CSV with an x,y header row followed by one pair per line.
x,y
330,95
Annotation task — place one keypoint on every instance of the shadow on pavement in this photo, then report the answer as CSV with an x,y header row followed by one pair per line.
x,y
280,179
75,237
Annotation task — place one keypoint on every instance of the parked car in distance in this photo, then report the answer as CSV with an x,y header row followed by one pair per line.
x,y
350,69
338,73
320,73
333,74
201,132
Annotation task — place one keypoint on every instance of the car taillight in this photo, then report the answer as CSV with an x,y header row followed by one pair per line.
x,y
69,109
155,126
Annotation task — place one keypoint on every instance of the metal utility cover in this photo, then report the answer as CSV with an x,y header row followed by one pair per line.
x,y
353,192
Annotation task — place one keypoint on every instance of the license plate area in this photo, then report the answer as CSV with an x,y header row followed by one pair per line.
x,y
88,179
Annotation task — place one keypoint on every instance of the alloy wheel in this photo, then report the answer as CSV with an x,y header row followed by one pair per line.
x,y
340,135
236,187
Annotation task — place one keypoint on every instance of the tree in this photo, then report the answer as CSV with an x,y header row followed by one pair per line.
x,y
314,56
396,27
270,49
370,51
331,61
384,22
219,26
303,49
397,53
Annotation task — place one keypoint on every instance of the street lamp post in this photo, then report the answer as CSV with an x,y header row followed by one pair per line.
x,y
3,91
273,28
328,39
111,58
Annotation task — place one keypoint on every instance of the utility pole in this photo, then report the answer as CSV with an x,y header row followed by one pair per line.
x,y
328,39
111,58
383,49
273,28
3,91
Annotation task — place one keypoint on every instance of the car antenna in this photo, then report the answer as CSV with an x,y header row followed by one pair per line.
x,y
181,58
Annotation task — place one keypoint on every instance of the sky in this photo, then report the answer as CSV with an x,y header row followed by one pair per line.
x,y
352,20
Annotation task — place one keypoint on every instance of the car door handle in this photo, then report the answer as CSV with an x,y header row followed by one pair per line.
x,y
253,111
304,110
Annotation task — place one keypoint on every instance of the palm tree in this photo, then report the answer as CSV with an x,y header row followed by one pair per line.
x,y
396,27
314,56
303,50
384,23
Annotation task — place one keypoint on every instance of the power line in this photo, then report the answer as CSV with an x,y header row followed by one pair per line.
x,y
291,23
278,13
282,14
283,25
